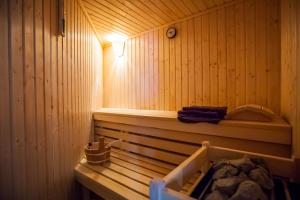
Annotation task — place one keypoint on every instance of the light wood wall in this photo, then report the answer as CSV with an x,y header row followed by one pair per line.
x,y
132,17
290,53
47,94
227,56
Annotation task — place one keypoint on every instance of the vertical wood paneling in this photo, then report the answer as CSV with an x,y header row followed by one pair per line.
x,y
48,86
198,62
47,72
53,150
151,70
260,51
133,74
172,78
137,73
167,70
227,57
147,77
142,71
205,59
17,99
29,100
178,73
213,58
155,70
40,97
184,65
222,67
130,79
6,172
250,51
296,133
273,59
231,56
161,69
125,75
191,61
290,73
240,56
65,117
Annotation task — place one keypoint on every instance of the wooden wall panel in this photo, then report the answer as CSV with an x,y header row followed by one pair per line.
x,y
290,82
132,17
48,93
227,56
6,175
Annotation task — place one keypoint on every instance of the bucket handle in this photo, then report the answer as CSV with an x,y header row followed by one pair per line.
x,y
111,143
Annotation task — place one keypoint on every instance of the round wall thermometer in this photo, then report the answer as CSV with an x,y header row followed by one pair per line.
x,y
171,32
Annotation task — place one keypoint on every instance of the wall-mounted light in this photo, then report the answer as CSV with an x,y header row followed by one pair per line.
x,y
118,43
61,18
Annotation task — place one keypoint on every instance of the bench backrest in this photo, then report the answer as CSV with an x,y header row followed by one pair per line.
x,y
164,145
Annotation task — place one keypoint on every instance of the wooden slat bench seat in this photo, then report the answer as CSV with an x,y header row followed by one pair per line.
x,y
153,144
273,138
126,176
167,188
130,176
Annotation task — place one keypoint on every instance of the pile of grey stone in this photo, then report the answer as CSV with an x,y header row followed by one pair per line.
x,y
241,179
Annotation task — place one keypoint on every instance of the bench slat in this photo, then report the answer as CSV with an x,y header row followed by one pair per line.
x,y
187,186
151,167
139,169
150,152
192,138
163,144
104,186
273,132
145,159
141,163
129,173
277,149
117,177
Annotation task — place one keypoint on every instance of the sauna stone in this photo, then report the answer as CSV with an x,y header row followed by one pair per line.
x,y
219,164
249,190
244,164
227,185
216,195
260,176
225,172
243,176
260,162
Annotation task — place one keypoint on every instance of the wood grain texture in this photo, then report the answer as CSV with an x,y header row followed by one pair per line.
x,y
290,81
6,176
238,134
48,93
228,57
126,176
131,17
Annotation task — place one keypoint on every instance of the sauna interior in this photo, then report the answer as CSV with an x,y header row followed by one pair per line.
x,y
130,77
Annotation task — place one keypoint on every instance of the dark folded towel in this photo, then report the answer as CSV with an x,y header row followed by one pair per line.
x,y
191,119
221,110
196,114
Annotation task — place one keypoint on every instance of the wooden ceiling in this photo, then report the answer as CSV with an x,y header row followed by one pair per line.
x,y
131,17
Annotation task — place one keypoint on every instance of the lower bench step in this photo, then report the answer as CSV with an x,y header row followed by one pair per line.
x,y
126,176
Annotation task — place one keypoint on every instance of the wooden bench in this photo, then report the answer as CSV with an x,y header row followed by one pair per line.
x,y
129,176
272,138
134,163
167,188
155,145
